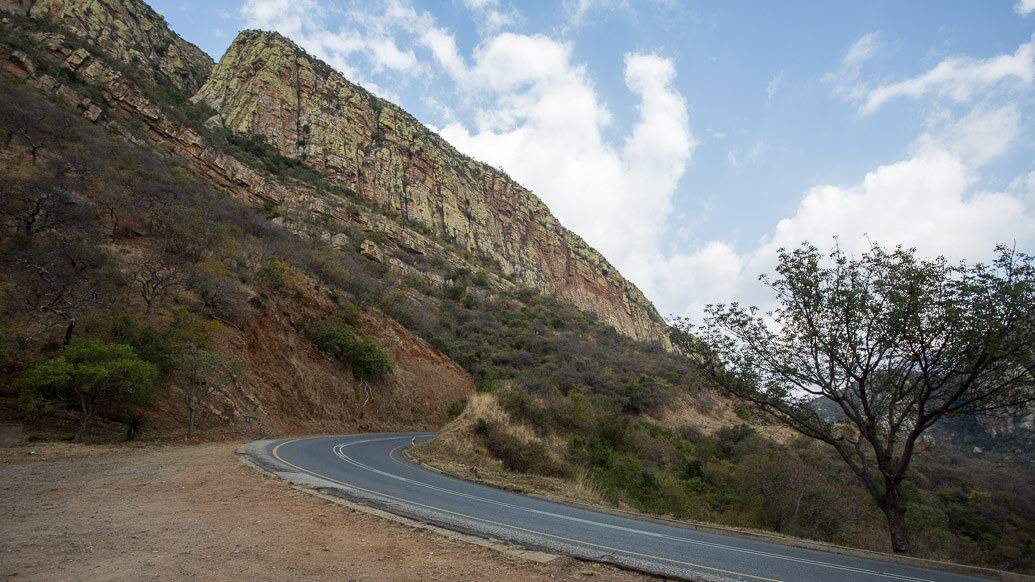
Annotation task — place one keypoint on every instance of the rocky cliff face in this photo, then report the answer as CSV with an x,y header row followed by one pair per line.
x,y
130,31
267,85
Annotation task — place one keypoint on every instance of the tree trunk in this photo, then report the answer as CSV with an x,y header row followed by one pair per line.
x,y
69,330
191,408
84,418
895,513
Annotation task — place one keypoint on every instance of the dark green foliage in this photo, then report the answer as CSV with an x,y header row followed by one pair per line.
x,y
456,291
254,148
337,338
95,376
368,360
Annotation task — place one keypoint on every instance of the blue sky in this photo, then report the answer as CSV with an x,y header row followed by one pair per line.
x,y
689,141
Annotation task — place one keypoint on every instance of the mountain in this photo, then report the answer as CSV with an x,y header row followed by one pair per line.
x,y
266,85
130,32
460,274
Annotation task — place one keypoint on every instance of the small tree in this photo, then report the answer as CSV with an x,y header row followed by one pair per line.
x,y
62,280
203,374
90,374
36,203
895,342
156,276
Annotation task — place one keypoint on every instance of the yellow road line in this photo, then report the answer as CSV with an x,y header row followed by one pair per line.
x,y
275,454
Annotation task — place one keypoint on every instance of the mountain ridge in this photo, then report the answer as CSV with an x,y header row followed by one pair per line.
x,y
312,113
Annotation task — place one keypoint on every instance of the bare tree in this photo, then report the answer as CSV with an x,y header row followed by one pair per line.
x,y
35,204
62,280
156,276
896,342
20,120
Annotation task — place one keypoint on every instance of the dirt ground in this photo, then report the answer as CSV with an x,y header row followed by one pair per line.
x,y
195,512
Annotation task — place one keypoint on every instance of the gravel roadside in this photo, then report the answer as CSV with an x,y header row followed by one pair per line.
x,y
193,511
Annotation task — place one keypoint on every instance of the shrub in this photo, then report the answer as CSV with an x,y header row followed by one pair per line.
x,y
457,408
517,455
368,360
336,338
456,291
96,376
347,313
281,275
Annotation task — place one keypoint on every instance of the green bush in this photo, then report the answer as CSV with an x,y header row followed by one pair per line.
x,y
347,313
334,337
456,291
368,360
96,376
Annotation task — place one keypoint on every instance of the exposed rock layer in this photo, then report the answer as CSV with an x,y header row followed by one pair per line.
x,y
130,31
267,85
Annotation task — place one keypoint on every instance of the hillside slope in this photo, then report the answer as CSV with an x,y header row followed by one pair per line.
x,y
428,301
267,85
131,32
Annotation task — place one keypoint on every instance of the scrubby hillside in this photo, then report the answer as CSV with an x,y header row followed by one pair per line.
x,y
233,232
361,275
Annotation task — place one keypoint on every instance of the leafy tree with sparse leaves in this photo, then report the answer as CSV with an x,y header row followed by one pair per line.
x,y
91,374
896,342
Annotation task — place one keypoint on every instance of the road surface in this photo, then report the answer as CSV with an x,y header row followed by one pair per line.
x,y
372,469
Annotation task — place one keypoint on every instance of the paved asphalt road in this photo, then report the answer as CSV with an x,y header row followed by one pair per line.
x,y
372,469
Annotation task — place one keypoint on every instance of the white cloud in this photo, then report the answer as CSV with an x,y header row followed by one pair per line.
x,y
959,78
491,15
522,103
1024,7
928,200
544,123
731,157
846,78
373,33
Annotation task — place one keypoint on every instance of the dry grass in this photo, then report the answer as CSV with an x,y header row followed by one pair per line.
x,y
715,413
458,450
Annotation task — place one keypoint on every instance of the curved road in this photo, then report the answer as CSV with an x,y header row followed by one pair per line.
x,y
372,469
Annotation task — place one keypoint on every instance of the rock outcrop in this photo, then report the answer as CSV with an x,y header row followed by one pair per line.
x,y
131,32
267,85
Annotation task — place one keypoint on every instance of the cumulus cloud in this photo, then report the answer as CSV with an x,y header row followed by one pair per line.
x,y
1024,7
928,200
959,78
544,123
523,103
